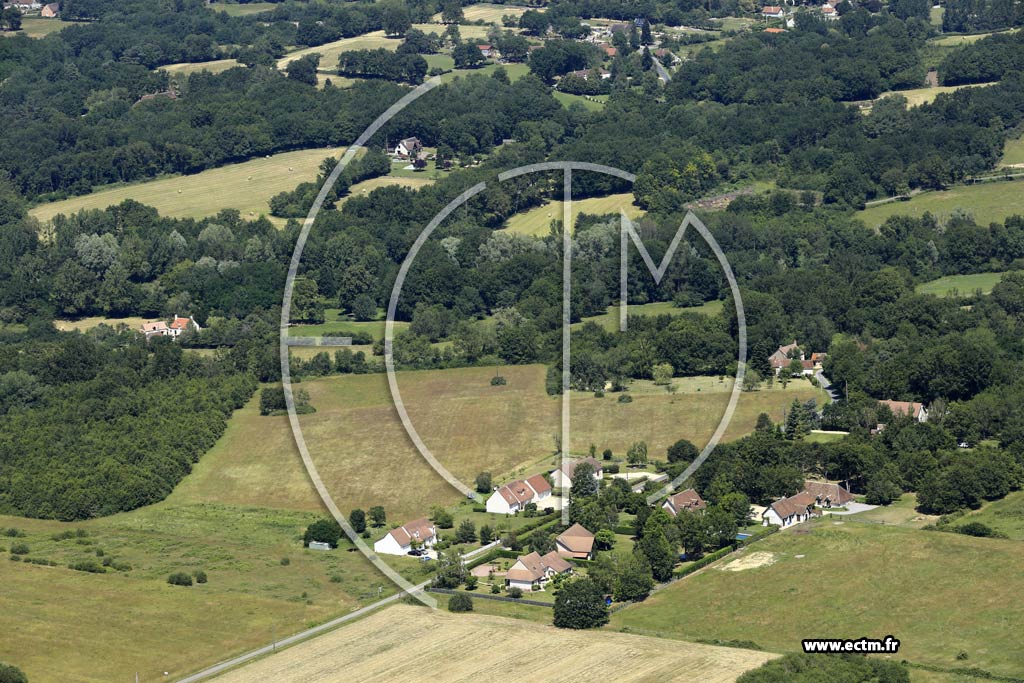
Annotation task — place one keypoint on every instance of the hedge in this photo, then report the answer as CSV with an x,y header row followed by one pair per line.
x,y
703,562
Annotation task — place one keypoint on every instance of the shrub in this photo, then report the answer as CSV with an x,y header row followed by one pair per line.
x,y
335,578
121,566
515,592
19,549
11,674
91,566
611,469
471,582
497,381
285,561
200,576
323,531
607,454
460,602
625,398
495,588
14,533
179,579
976,529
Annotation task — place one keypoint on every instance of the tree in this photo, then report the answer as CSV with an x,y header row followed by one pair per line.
x,y
323,531
533,23
11,16
396,19
662,373
451,12
377,516
467,56
8,673
580,604
442,518
737,505
451,571
751,380
654,546
692,534
460,602
645,33
466,533
584,483
637,453
604,539
682,451
363,307
798,421
357,518
304,69
633,580
483,482
486,535
719,526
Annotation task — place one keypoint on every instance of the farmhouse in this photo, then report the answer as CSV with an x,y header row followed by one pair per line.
x,y
775,30
826,495
789,511
50,11
562,477
575,542
399,541
829,12
684,501
914,410
409,147
785,355
513,497
773,12
487,50
531,572
160,328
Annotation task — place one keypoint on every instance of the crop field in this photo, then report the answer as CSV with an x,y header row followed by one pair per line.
x,y
960,285
451,647
1005,515
610,320
940,594
362,451
185,69
918,96
987,202
38,27
537,221
1013,153
112,625
329,52
466,32
492,14
247,186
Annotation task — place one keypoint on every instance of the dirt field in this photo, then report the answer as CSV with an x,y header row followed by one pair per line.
x,y
455,648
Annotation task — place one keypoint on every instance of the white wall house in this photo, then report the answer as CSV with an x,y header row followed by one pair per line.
x,y
399,541
789,511
561,478
514,496
684,501
532,572
409,147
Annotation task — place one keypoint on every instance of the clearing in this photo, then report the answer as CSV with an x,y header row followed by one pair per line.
x,y
939,593
537,221
1013,153
185,69
919,96
38,27
330,52
960,285
987,202
590,102
362,451
241,10
610,320
449,648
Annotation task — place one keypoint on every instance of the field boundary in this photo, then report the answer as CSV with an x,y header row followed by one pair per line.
x,y
488,596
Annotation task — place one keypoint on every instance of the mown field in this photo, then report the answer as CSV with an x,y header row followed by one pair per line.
x,y
992,201
537,221
365,457
490,13
109,626
1013,152
240,10
940,594
415,644
919,96
38,27
960,285
185,69
1005,515
329,52
610,320
593,102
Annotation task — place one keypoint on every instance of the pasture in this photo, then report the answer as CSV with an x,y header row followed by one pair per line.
x,y
466,32
111,625
336,324
1013,152
365,457
450,647
610,320
329,52
83,324
240,10
960,285
918,96
592,102
987,202
38,27
940,594
537,221
490,13
183,70
1005,515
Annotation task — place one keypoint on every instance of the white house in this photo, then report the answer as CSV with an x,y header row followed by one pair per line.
x,y
789,511
561,478
827,495
159,328
514,496
409,147
575,542
773,12
531,572
399,541
684,501
911,408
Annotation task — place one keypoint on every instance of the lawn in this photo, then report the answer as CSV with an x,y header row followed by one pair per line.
x,y
361,449
935,16
918,96
240,10
111,625
940,594
38,27
247,187
610,320
1013,153
823,437
987,202
338,324
185,69
472,647
514,72
593,102
1005,515
960,285
901,513
537,221
329,52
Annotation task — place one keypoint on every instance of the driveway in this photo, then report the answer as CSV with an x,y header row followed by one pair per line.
x,y
851,509
826,384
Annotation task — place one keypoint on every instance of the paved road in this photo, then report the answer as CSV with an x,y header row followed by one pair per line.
x,y
316,630
663,73
833,392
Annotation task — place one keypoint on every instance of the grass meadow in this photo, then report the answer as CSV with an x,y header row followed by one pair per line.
x,y
918,96
610,320
38,27
1005,515
941,594
537,221
987,202
329,52
1013,153
452,647
240,10
183,70
960,285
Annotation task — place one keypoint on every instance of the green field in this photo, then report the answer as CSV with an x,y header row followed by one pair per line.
x,y
1005,515
186,69
939,593
484,11
337,324
514,71
1013,153
987,202
537,221
38,27
957,41
329,52
960,285
610,320
902,513
239,10
919,96
935,16
593,102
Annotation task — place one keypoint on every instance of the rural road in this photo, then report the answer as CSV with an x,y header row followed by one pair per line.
x,y
663,73
833,393
291,640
